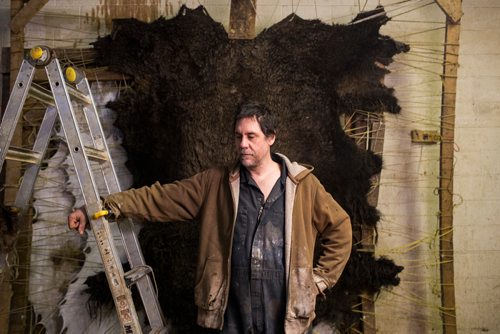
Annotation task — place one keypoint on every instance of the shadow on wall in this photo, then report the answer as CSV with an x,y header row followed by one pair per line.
x,y
188,78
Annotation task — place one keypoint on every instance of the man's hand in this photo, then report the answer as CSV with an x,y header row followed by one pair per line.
x,y
77,220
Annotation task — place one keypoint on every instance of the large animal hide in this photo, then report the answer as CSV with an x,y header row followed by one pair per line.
x,y
189,78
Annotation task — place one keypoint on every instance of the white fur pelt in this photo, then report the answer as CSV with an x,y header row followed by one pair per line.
x,y
55,249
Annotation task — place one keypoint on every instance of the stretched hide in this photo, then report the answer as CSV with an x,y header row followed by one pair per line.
x,y
189,78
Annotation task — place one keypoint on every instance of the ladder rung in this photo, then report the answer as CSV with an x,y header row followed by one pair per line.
x,y
23,155
42,95
45,95
136,274
79,95
95,154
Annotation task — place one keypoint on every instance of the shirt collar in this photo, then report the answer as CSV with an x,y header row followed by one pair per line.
x,y
245,175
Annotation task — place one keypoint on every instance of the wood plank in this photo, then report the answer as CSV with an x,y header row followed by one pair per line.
x,y
447,147
23,16
368,131
82,56
376,132
92,74
75,56
242,19
452,8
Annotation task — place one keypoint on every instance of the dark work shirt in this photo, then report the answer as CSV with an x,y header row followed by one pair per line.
x,y
257,294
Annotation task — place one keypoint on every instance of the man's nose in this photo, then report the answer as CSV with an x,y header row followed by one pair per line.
x,y
243,142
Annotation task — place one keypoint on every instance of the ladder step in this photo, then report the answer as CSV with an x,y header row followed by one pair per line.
x,y
45,95
32,157
23,155
42,95
136,274
80,96
96,154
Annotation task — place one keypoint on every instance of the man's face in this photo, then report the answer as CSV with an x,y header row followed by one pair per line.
x,y
251,143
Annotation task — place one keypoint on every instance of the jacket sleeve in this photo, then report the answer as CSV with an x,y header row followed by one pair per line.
x,y
177,201
334,227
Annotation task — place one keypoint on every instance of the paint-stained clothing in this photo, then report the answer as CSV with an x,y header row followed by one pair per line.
x,y
257,295
211,197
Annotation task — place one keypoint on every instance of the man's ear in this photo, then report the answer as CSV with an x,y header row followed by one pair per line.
x,y
271,139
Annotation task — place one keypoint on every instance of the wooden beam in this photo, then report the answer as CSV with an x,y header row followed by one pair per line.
x,y
92,74
450,70
85,55
452,9
242,19
23,16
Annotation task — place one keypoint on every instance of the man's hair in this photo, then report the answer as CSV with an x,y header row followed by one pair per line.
x,y
266,120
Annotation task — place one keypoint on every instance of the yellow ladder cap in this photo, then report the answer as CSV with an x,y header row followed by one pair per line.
x,y
100,214
36,52
70,74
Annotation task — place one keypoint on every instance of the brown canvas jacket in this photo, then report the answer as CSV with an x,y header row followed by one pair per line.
x,y
211,197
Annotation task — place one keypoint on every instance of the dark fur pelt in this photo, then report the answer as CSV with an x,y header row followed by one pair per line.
x,y
99,295
189,78
363,275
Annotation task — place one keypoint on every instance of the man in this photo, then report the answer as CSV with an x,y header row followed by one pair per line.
x,y
259,223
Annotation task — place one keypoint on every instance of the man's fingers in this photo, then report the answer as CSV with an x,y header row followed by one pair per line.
x,y
77,221
81,227
72,223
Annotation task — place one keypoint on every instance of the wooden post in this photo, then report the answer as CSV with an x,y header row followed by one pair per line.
x,y
368,130
24,14
452,8
242,19
375,138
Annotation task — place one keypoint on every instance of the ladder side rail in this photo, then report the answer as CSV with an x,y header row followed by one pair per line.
x,y
145,285
99,139
15,107
130,241
40,146
122,296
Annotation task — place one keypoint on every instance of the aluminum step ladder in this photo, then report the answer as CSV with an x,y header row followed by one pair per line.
x,y
65,89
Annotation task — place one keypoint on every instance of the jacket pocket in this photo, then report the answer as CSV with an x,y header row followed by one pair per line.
x,y
303,292
208,292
